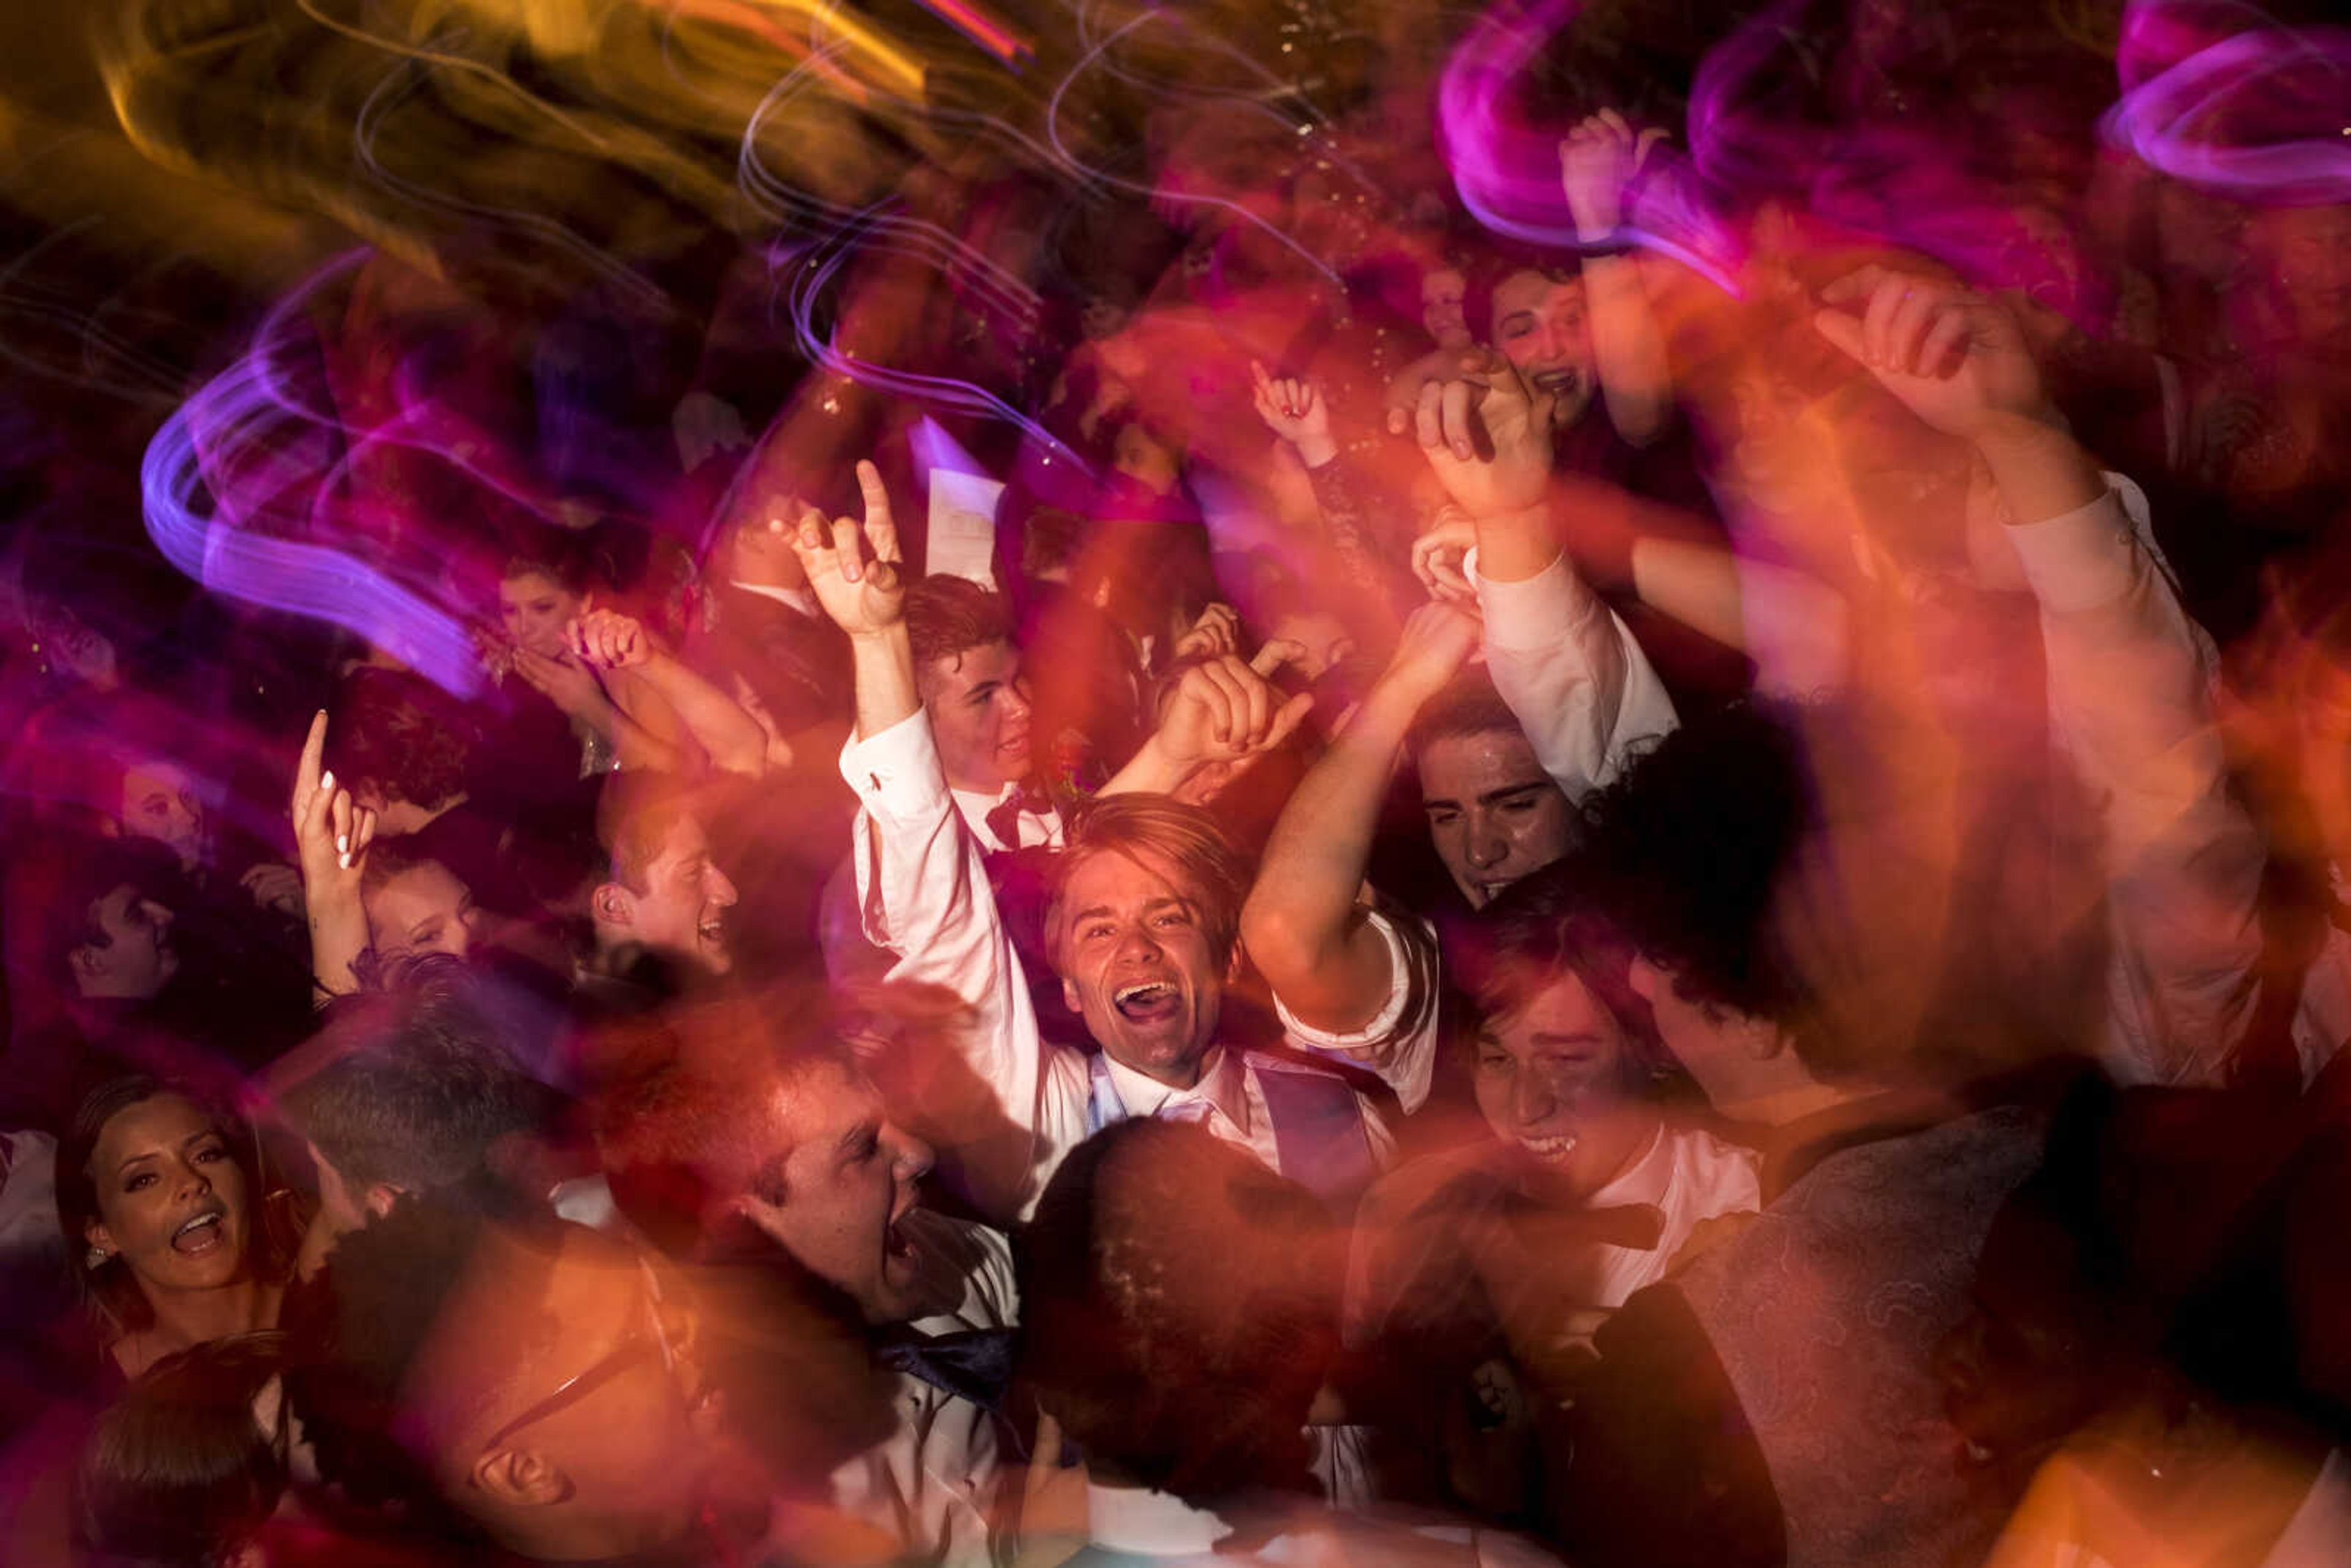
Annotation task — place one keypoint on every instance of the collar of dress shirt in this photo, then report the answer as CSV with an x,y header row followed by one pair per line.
x,y
799,599
1149,1523
1643,1181
1222,1087
975,807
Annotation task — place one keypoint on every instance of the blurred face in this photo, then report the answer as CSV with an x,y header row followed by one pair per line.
x,y
606,1420
682,914
1136,963
72,647
1540,325
836,1200
425,909
170,1200
2312,247
978,704
1557,1083
159,801
535,609
1146,459
1440,308
133,958
1493,814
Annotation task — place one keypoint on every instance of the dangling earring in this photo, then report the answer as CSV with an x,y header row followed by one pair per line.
x,y
97,1258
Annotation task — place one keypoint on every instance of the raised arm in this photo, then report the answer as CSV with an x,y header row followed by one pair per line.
x,y
2129,674
1597,161
728,735
1572,673
922,887
331,832
1304,926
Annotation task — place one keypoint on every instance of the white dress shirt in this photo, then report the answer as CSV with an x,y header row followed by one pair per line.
x,y
1584,694
1572,673
922,894
932,1484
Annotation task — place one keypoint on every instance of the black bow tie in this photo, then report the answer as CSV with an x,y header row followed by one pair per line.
x,y
1003,819
971,1364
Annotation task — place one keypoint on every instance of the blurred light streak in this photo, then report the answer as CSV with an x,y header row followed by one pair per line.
x,y
2164,119
236,452
981,28
1053,133
1506,173
806,287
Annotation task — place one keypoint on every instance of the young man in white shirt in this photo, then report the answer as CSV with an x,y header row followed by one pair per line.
x,y
1142,929
748,1148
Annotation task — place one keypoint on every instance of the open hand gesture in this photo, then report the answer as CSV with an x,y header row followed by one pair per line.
x,y
1597,162
860,587
1293,409
1957,359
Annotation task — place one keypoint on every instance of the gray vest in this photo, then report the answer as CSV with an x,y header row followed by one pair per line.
x,y
1826,1314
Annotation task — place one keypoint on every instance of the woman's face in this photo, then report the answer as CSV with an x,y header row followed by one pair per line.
x,y
1557,1082
535,609
171,1198
159,801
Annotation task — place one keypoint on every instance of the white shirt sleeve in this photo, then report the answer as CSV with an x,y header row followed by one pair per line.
x,y
922,894
1399,1045
2130,680
1582,688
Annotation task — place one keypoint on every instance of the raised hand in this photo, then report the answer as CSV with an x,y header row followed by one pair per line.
x,y
1957,359
1597,162
563,680
1224,708
864,594
1487,434
608,639
275,886
1437,639
1292,408
1439,556
1217,631
331,830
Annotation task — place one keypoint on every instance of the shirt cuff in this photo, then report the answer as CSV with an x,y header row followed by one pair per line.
x,y
1391,1011
2082,559
897,773
1528,616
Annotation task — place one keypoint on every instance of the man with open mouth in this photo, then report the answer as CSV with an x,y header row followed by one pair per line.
x,y
1141,926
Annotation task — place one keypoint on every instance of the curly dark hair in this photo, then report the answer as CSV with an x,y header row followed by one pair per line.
x,y
1685,853
1179,1309
400,733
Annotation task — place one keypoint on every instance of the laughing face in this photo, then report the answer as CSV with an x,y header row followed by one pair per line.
x,y
1136,962
1540,324
839,1197
171,1198
1557,1085
682,911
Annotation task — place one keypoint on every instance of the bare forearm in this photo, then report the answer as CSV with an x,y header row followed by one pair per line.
x,y
1515,546
731,738
1303,911
339,934
2042,471
1628,349
884,665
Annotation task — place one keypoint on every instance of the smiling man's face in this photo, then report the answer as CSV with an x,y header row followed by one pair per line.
x,y
1137,963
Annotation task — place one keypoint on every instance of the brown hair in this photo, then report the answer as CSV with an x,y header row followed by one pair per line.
x,y
1187,838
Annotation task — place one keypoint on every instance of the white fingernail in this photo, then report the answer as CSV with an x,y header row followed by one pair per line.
x,y
327,780
346,862
343,845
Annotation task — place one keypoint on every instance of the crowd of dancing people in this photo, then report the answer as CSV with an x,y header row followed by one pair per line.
x,y
1532,906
